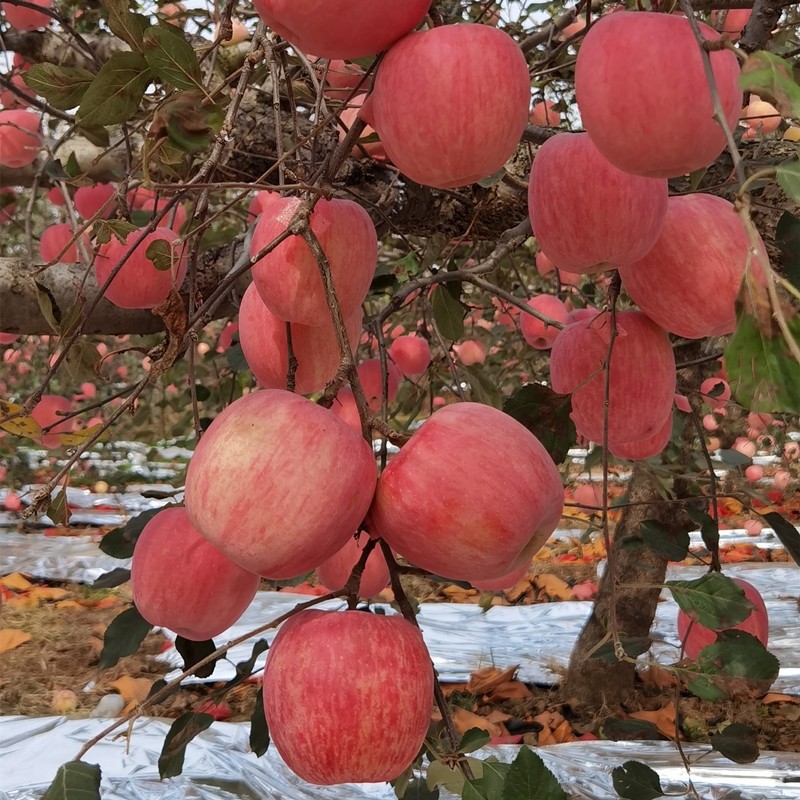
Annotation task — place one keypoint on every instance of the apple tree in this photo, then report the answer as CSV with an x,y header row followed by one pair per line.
x,y
523,225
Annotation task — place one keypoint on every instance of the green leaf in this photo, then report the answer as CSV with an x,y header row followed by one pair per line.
x,y
632,646
631,729
58,510
482,387
190,123
789,178
159,253
75,780
668,541
546,415
171,57
112,578
119,542
714,600
104,229
733,458
116,91
441,774
244,669
709,530
787,237
762,372
123,636
96,134
737,663
192,652
448,313
473,739
787,534
182,731
636,781
62,87
529,779
234,355
124,23
771,77
47,305
259,732
737,742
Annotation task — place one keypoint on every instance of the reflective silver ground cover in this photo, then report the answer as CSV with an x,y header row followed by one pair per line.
x,y
540,637
219,766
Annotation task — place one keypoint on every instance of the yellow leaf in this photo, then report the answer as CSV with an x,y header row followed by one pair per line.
x,y
48,593
10,638
70,604
78,437
464,720
132,689
553,586
484,681
19,426
774,697
16,582
21,602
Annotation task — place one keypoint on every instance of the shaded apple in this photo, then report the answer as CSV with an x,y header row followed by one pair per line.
x,y
332,681
315,477
181,581
335,571
47,412
411,354
20,139
449,503
536,333
372,381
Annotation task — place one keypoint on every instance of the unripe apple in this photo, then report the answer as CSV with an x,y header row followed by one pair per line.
x,y
334,572
342,28
688,283
315,477
139,284
536,333
449,504
371,377
264,344
20,139
695,636
332,681
27,19
542,114
288,278
464,128
668,128
575,188
55,244
411,354
182,582
47,412
641,380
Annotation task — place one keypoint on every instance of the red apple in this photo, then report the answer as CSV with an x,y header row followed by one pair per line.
x,y
731,21
689,281
651,64
288,278
20,139
574,188
503,582
716,392
335,571
261,203
449,503
333,682
139,284
760,116
463,128
27,19
89,200
145,203
641,380
470,352
372,381
8,338
695,636
644,448
182,582
47,412
544,266
54,244
347,116
264,344
342,28
314,475
344,406
411,354
536,333
542,114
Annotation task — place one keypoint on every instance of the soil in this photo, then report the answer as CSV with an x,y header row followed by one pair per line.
x,y
56,670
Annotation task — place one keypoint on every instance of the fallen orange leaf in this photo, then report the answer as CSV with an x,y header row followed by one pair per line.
x,y
48,593
132,689
464,720
73,605
510,690
16,581
553,586
775,697
485,680
11,638
663,719
21,602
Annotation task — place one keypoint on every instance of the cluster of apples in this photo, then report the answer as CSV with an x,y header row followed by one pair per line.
x,y
681,259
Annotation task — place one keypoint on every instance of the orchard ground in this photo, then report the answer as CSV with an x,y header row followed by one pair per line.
x,y
56,671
